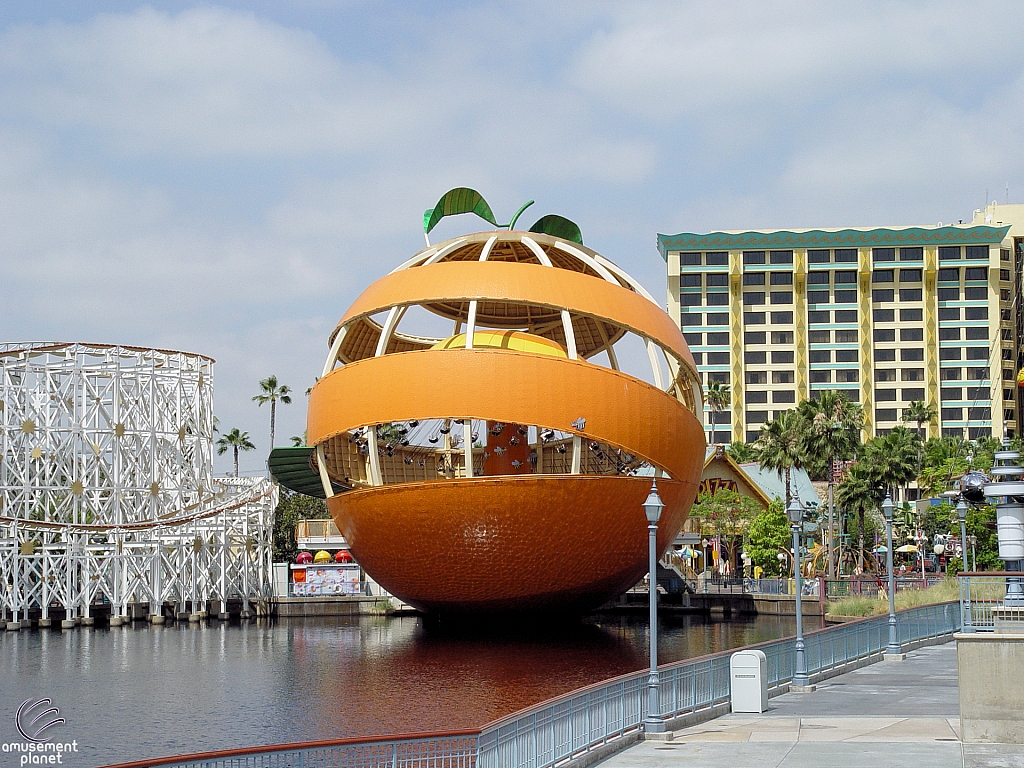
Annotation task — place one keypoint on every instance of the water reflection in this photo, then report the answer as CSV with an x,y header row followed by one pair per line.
x,y
130,693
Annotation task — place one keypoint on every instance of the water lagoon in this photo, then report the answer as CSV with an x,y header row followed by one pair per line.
x,y
136,692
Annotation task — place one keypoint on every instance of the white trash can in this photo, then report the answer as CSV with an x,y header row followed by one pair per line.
x,y
748,675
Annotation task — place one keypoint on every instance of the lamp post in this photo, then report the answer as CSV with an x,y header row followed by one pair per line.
x,y
652,509
801,682
968,621
893,649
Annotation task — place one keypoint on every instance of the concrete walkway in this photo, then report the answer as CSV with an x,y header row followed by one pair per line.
x,y
887,715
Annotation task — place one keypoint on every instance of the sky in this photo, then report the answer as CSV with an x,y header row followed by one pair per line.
x,y
225,178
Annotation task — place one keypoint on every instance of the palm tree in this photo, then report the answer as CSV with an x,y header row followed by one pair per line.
x,y
297,442
271,393
892,458
236,441
719,398
859,494
832,433
741,452
920,413
780,447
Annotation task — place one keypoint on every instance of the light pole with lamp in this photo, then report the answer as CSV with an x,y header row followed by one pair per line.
x,y
961,512
653,723
801,682
893,651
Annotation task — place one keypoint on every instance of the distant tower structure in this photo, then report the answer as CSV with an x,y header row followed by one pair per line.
x,y
1008,487
107,495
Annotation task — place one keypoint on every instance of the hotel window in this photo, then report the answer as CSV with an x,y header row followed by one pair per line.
x,y
952,414
782,318
848,376
757,377
846,315
949,252
843,255
883,254
884,334
782,278
719,279
698,357
885,414
821,377
911,254
718,358
689,259
754,337
819,337
1004,254
912,355
817,297
911,334
717,259
817,257
718,299
949,275
722,377
910,275
949,334
949,294
817,278
912,374
977,252
910,395
846,337
1004,274
910,294
884,315
885,374
1007,354
780,257
977,353
784,396
949,313
885,355
757,417
846,297
755,358
753,257
782,377
753,278
846,356
883,276
975,294
753,318
717,339
753,297
951,393
687,319
756,397
976,273
1004,294
818,317
979,393
949,353
821,355
1005,314
846,277
690,281
980,414
911,315
694,339
885,395
950,374
976,334
882,295
718,318
977,374
782,356
782,297
690,299
1006,334
782,337
1008,395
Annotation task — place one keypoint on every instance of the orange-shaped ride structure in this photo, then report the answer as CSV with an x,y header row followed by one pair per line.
x,y
503,466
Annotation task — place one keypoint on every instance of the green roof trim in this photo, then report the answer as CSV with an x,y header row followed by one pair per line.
x,y
558,226
293,468
843,238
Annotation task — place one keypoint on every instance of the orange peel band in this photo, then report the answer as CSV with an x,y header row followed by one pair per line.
x,y
522,283
511,387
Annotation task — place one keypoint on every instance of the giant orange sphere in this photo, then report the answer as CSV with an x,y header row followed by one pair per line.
x,y
502,464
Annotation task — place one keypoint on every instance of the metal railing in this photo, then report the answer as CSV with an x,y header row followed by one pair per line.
x,y
568,726
990,600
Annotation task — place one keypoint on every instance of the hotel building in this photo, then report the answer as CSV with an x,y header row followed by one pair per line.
x,y
887,315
